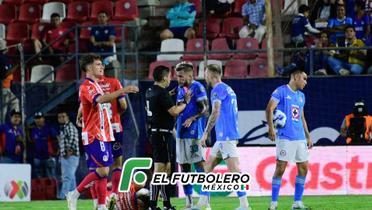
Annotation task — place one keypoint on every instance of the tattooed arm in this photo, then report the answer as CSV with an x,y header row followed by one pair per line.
x,y
211,121
203,107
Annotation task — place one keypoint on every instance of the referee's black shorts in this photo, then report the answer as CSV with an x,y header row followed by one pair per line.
x,y
162,144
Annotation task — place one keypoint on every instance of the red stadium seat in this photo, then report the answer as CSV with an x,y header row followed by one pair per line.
x,y
35,1
246,44
195,45
17,74
126,10
38,30
155,64
7,13
14,2
220,44
236,69
17,32
85,36
238,6
213,28
78,11
99,6
29,13
258,68
231,27
67,72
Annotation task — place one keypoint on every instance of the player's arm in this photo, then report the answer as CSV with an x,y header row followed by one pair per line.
x,y
177,109
273,103
79,116
216,109
203,107
307,133
111,96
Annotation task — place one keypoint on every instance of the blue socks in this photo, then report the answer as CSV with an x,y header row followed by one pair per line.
x,y
299,188
187,189
199,170
275,187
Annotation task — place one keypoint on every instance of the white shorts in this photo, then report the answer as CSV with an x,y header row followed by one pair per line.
x,y
189,151
292,151
225,149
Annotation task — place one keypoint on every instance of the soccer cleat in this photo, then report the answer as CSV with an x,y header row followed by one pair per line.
x,y
112,202
299,205
71,200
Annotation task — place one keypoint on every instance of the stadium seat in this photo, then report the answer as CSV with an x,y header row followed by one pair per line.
x,y
213,28
231,27
66,72
263,55
53,7
29,13
78,11
220,44
41,2
236,69
126,10
258,68
195,45
171,45
98,6
155,64
2,31
246,44
201,67
7,13
63,1
85,35
17,74
40,71
17,32
38,29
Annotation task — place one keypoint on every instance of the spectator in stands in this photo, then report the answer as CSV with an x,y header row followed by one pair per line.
x,y
43,139
102,38
181,21
322,12
69,151
300,24
337,25
362,23
356,127
58,45
6,76
219,7
298,62
253,12
12,139
344,62
321,56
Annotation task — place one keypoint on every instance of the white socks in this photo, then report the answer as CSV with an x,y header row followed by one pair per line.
x,y
244,201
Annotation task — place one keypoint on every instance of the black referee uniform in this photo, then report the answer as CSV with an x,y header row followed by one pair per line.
x,y
161,123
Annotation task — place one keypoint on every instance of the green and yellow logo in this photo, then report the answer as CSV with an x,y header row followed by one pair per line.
x,y
129,171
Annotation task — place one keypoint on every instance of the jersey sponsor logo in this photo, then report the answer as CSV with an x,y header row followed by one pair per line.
x,y
105,158
288,97
295,112
282,153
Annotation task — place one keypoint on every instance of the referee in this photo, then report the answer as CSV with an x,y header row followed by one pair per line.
x,y
161,113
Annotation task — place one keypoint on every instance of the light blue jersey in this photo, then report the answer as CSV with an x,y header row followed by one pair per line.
x,y
227,123
196,129
292,104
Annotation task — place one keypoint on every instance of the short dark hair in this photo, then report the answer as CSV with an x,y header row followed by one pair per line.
x,y
349,26
87,60
360,4
214,68
303,8
296,71
54,15
160,72
185,66
103,11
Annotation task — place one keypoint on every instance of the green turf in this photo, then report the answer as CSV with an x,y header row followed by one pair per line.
x,y
350,202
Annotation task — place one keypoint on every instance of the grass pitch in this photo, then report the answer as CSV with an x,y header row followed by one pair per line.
x,y
350,202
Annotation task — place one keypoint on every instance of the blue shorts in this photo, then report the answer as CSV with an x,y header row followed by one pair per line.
x,y
98,154
117,149
179,32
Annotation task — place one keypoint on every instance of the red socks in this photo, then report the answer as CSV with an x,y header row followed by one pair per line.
x,y
91,177
115,179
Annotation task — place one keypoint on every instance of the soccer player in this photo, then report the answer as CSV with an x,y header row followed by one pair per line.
x,y
161,113
225,117
293,140
190,127
97,131
138,198
118,106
